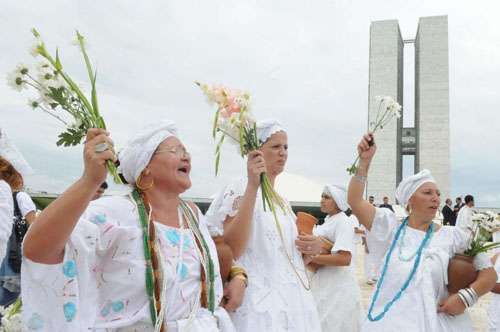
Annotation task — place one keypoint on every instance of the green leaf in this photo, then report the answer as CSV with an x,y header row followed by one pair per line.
x,y
58,64
216,119
94,96
71,137
35,33
218,153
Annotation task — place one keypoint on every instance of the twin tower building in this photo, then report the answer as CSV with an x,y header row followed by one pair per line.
x,y
427,141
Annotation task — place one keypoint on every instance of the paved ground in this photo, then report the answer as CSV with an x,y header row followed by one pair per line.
x,y
477,312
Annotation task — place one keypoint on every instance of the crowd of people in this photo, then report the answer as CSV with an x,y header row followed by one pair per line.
x,y
147,261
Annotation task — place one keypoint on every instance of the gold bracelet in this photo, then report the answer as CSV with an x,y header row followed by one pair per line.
x,y
243,278
237,270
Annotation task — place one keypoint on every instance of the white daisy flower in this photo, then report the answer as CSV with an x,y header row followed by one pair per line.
x,y
16,81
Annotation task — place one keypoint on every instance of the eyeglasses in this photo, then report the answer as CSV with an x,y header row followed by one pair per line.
x,y
179,151
325,196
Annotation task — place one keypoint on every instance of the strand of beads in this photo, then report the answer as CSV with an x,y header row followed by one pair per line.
x,y
401,245
387,259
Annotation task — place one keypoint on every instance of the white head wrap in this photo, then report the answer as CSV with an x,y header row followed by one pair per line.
x,y
266,128
339,195
409,185
9,152
138,152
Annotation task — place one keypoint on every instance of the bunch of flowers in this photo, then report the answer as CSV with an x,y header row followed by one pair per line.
x,y
484,224
57,91
11,317
388,109
234,120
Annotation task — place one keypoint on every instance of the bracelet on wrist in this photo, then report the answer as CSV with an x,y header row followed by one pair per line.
x,y
237,270
468,296
360,178
242,278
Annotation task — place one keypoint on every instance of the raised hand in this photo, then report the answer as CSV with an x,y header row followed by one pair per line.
x,y
256,165
367,147
98,149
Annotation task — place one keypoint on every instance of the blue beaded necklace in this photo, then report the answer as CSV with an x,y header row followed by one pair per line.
x,y
401,245
387,259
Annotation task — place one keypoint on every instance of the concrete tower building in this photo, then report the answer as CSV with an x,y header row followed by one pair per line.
x,y
428,141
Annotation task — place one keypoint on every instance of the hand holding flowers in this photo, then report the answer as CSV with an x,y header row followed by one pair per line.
x,y
58,91
234,120
388,109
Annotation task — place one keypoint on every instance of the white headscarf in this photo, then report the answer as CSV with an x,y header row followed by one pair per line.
x,y
138,152
409,185
9,152
266,128
339,195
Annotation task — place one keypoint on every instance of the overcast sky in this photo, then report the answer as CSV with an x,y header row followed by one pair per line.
x,y
304,62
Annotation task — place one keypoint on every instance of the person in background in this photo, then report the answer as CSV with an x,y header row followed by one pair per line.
x,y
386,204
334,284
449,218
23,214
458,206
464,217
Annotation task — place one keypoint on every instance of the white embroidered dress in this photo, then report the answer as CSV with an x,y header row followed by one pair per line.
x,y
275,299
100,285
6,215
416,309
335,288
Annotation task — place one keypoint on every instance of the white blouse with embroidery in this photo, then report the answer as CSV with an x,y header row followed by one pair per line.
x,y
275,299
416,309
100,285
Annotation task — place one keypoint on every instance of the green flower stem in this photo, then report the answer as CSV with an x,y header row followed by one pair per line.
x,y
53,115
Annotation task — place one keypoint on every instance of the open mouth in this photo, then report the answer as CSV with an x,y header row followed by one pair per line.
x,y
184,170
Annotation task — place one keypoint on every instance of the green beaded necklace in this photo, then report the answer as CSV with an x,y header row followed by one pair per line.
x,y
208,271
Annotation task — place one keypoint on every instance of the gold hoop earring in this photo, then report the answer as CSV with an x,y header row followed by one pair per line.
x,y
141,187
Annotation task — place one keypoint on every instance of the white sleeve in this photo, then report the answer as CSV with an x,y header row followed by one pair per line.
x,y
344,237
379,237
25,203
226,203
383,225
482,261
6,214
64,296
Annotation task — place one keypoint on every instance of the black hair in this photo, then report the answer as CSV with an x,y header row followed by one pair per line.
x,y
468,198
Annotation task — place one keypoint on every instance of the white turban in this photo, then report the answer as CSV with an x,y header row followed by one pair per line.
x,y
339,195
138,152
266,128
409,185
9,152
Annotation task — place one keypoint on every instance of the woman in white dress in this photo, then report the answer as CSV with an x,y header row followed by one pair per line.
x,y
278,296
411,293
334,284
6,213
25,210
122,263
